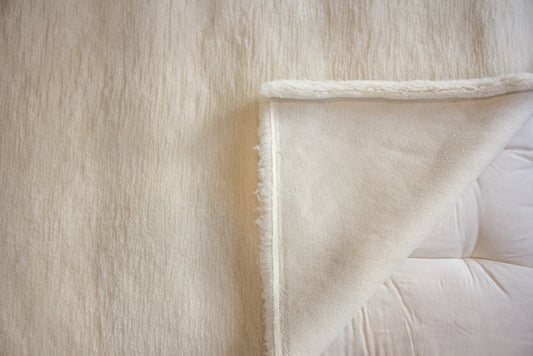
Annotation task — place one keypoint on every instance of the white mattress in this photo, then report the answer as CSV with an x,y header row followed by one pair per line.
x,y
467,289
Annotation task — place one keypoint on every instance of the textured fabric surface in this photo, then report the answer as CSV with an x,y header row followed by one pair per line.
x,y
127,173
468,288
350,187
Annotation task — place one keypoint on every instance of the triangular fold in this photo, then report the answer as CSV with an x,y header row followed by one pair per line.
x,y
353,176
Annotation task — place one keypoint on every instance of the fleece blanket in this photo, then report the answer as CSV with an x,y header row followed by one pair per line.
x,y
354,176
127,169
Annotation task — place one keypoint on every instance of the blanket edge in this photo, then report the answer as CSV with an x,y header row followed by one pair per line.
x,y
269,266
416,89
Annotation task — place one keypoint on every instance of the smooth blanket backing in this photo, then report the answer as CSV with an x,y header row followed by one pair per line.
x,y
353,176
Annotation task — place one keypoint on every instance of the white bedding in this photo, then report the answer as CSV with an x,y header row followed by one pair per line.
x,y
468,288
127,169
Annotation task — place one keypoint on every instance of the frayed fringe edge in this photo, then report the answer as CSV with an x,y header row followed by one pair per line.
x,y
416,89
268,268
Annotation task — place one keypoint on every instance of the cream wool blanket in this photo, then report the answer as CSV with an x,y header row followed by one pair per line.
x,y
127,174
354,176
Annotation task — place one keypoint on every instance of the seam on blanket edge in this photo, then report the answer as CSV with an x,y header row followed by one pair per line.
x,y
416,89
269,266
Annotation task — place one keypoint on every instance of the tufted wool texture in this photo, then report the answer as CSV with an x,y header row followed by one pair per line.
x,y
127,173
